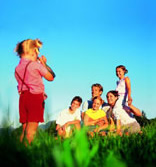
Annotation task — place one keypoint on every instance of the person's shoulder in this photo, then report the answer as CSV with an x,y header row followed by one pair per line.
x,y
64,111
101,112
77,110
86,105
35,64
89,110
126,78
87,102
105,104
105,107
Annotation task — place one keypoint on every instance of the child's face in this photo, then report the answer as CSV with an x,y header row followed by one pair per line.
x,y
96,104
120,73
111,99
75,105
34,55
96,91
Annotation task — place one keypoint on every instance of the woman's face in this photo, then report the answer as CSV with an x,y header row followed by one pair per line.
x,y
96,104
111,99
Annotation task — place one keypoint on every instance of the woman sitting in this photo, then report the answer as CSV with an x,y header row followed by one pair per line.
x,y
95,118
123,118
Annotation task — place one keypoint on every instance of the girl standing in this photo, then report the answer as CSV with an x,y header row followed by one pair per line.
x,y
29,73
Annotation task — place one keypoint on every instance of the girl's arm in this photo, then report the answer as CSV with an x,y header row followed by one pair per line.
x,y
118,124
50,75
88,121
135,111
104,126
112,125
128,86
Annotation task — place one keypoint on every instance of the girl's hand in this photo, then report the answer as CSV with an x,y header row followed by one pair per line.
x,y
119,133
63,128
43,59
112,125
129,101
66,125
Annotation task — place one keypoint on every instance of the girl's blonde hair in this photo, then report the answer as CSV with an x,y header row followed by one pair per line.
x,y
28,46
99,98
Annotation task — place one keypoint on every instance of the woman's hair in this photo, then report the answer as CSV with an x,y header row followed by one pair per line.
x,y
77,98
99,98
99,86
123,68
27,46
114,92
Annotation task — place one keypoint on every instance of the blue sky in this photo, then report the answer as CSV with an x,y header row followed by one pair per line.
x,y
83,40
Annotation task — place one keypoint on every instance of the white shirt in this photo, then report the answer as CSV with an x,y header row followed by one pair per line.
x,y
121,113
124,115
65,116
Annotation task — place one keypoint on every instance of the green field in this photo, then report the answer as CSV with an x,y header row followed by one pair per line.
x,y
80,150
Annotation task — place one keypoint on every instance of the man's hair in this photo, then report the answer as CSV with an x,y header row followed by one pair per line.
x,y
77,98
98,85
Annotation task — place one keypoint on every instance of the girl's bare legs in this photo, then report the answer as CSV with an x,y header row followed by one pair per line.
x,y
23,131
31,129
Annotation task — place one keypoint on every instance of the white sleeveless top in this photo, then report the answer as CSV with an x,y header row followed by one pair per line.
x,y
121,87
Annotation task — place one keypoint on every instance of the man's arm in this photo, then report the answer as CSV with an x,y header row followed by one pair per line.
x,y
72,122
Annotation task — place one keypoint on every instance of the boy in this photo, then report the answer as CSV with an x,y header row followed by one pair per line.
x,y
69,118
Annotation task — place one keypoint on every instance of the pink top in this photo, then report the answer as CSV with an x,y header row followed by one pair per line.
x,y
33,77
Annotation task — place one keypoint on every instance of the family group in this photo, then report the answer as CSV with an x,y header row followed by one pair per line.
x,y
116,116
100,117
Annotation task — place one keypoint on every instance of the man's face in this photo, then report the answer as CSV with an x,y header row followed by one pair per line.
x,y
75,105
96,91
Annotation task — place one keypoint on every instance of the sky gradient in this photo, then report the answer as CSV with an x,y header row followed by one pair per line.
x,y
84,41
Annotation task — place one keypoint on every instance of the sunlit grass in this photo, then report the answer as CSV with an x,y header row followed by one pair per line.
x,y
80,150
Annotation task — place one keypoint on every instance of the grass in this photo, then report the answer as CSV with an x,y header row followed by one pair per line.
x,y
80,150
